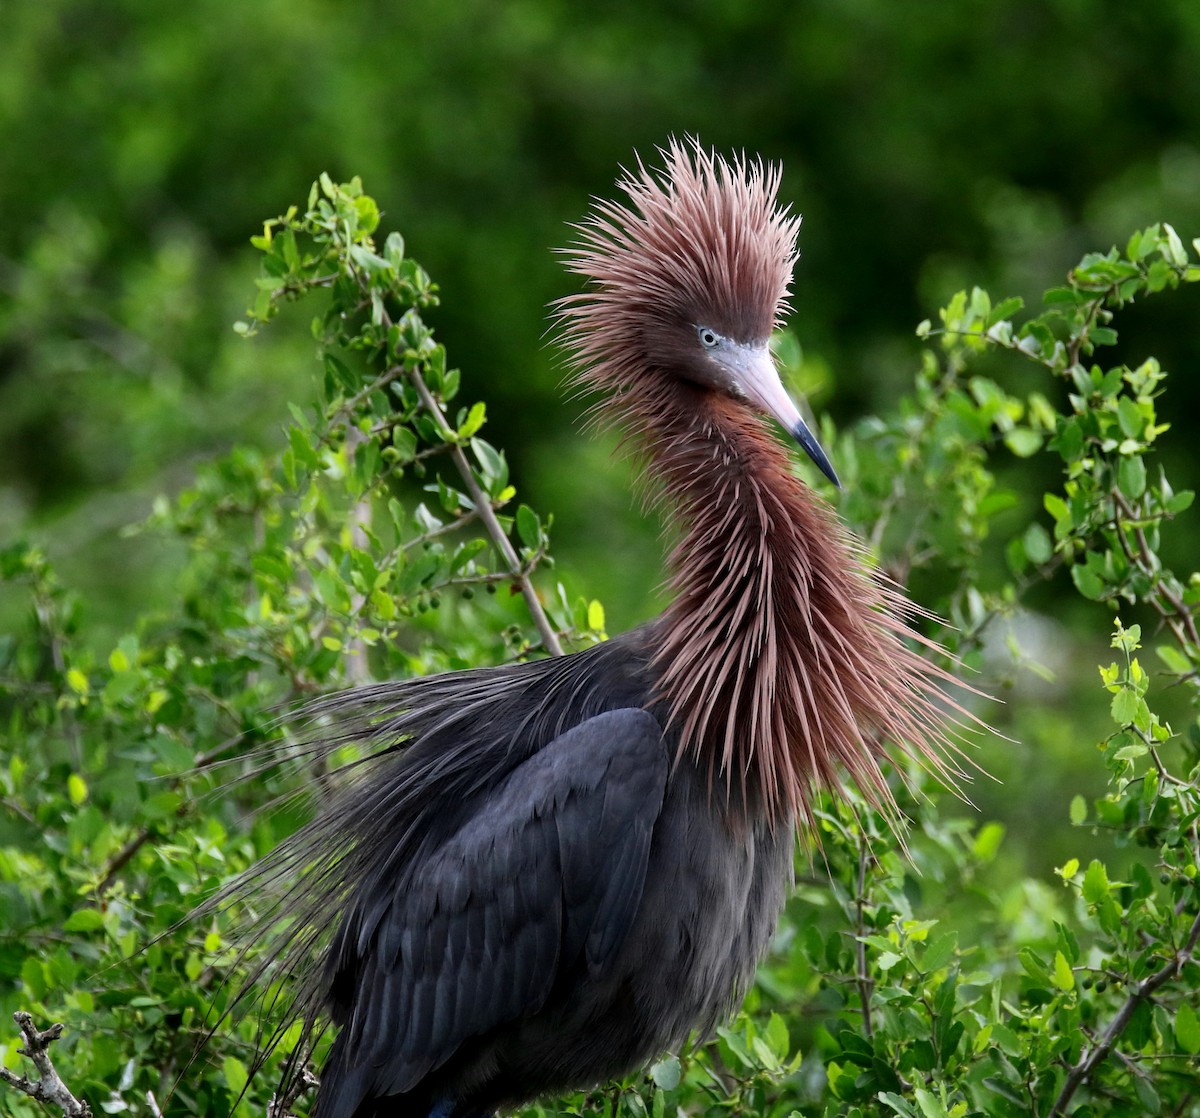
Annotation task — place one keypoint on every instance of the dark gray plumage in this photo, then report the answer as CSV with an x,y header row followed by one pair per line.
x,y
546,866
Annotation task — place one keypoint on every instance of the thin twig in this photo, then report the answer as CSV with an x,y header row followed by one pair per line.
x,y
1180,616
865,985
125,855
897,492
18,809
483,506
357,670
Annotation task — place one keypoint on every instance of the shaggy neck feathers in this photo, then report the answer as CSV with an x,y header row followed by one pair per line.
x,y
780,659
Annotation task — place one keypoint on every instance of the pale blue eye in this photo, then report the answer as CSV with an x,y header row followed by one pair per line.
x,y
709,338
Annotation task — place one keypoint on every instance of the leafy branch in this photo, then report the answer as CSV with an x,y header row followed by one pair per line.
x,y
379,294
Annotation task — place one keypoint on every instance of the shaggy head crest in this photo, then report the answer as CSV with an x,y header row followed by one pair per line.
x,y
703,241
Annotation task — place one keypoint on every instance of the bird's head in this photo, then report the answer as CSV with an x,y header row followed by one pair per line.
x,y
688,281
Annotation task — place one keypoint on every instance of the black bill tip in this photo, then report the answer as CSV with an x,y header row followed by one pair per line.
x,y
804,436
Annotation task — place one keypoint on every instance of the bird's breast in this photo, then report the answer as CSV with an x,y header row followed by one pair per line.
x,y
714,891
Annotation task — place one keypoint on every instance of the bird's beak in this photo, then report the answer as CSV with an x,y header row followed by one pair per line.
x,y
754,369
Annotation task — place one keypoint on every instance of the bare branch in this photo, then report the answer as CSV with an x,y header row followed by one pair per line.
x,y
48,1087
280,1106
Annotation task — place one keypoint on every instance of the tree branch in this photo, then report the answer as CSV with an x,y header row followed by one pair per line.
x,y
1090,1058
48,1087
865,985
280,1106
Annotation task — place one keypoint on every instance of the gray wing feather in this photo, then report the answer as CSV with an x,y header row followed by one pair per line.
x,y
548,870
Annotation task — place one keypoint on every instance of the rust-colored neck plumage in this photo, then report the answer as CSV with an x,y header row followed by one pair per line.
x,y
780,658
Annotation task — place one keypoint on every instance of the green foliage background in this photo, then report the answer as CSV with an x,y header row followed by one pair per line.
x,y
930,149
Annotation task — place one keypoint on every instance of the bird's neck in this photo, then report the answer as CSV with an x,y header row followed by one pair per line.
x,y
779,659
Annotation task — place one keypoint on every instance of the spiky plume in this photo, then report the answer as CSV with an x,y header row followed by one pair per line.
x,y
702,241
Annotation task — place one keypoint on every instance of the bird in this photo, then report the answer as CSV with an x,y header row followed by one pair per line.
x,y
543,875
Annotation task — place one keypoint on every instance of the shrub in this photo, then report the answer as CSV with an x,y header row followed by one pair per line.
x,y
385,539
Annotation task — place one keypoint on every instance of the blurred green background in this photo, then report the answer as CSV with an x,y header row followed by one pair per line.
x,y
929,146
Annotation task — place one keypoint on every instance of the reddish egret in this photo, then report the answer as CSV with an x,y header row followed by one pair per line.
x,y
550,872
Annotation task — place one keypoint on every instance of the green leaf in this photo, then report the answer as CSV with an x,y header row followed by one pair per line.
x,y
1147,1096
1063,977
595,616
1078,810
1023,442
84,920
931,1106
987,841
404,439
1033,965
1056,506
1187,1029
1095,882
302,448
1007,1040
667,1073
897,1104
1087,582
1131,476
1130,417
776,1036
1006,308
1180,501
236,1076
160,805
940,952
1038,547
1057,296
1175,660
762,1051
473,422
528,526
332,590
492,466
734,1048
1126,705
1174,250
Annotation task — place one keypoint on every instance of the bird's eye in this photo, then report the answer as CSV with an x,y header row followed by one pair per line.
x,y
709,338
